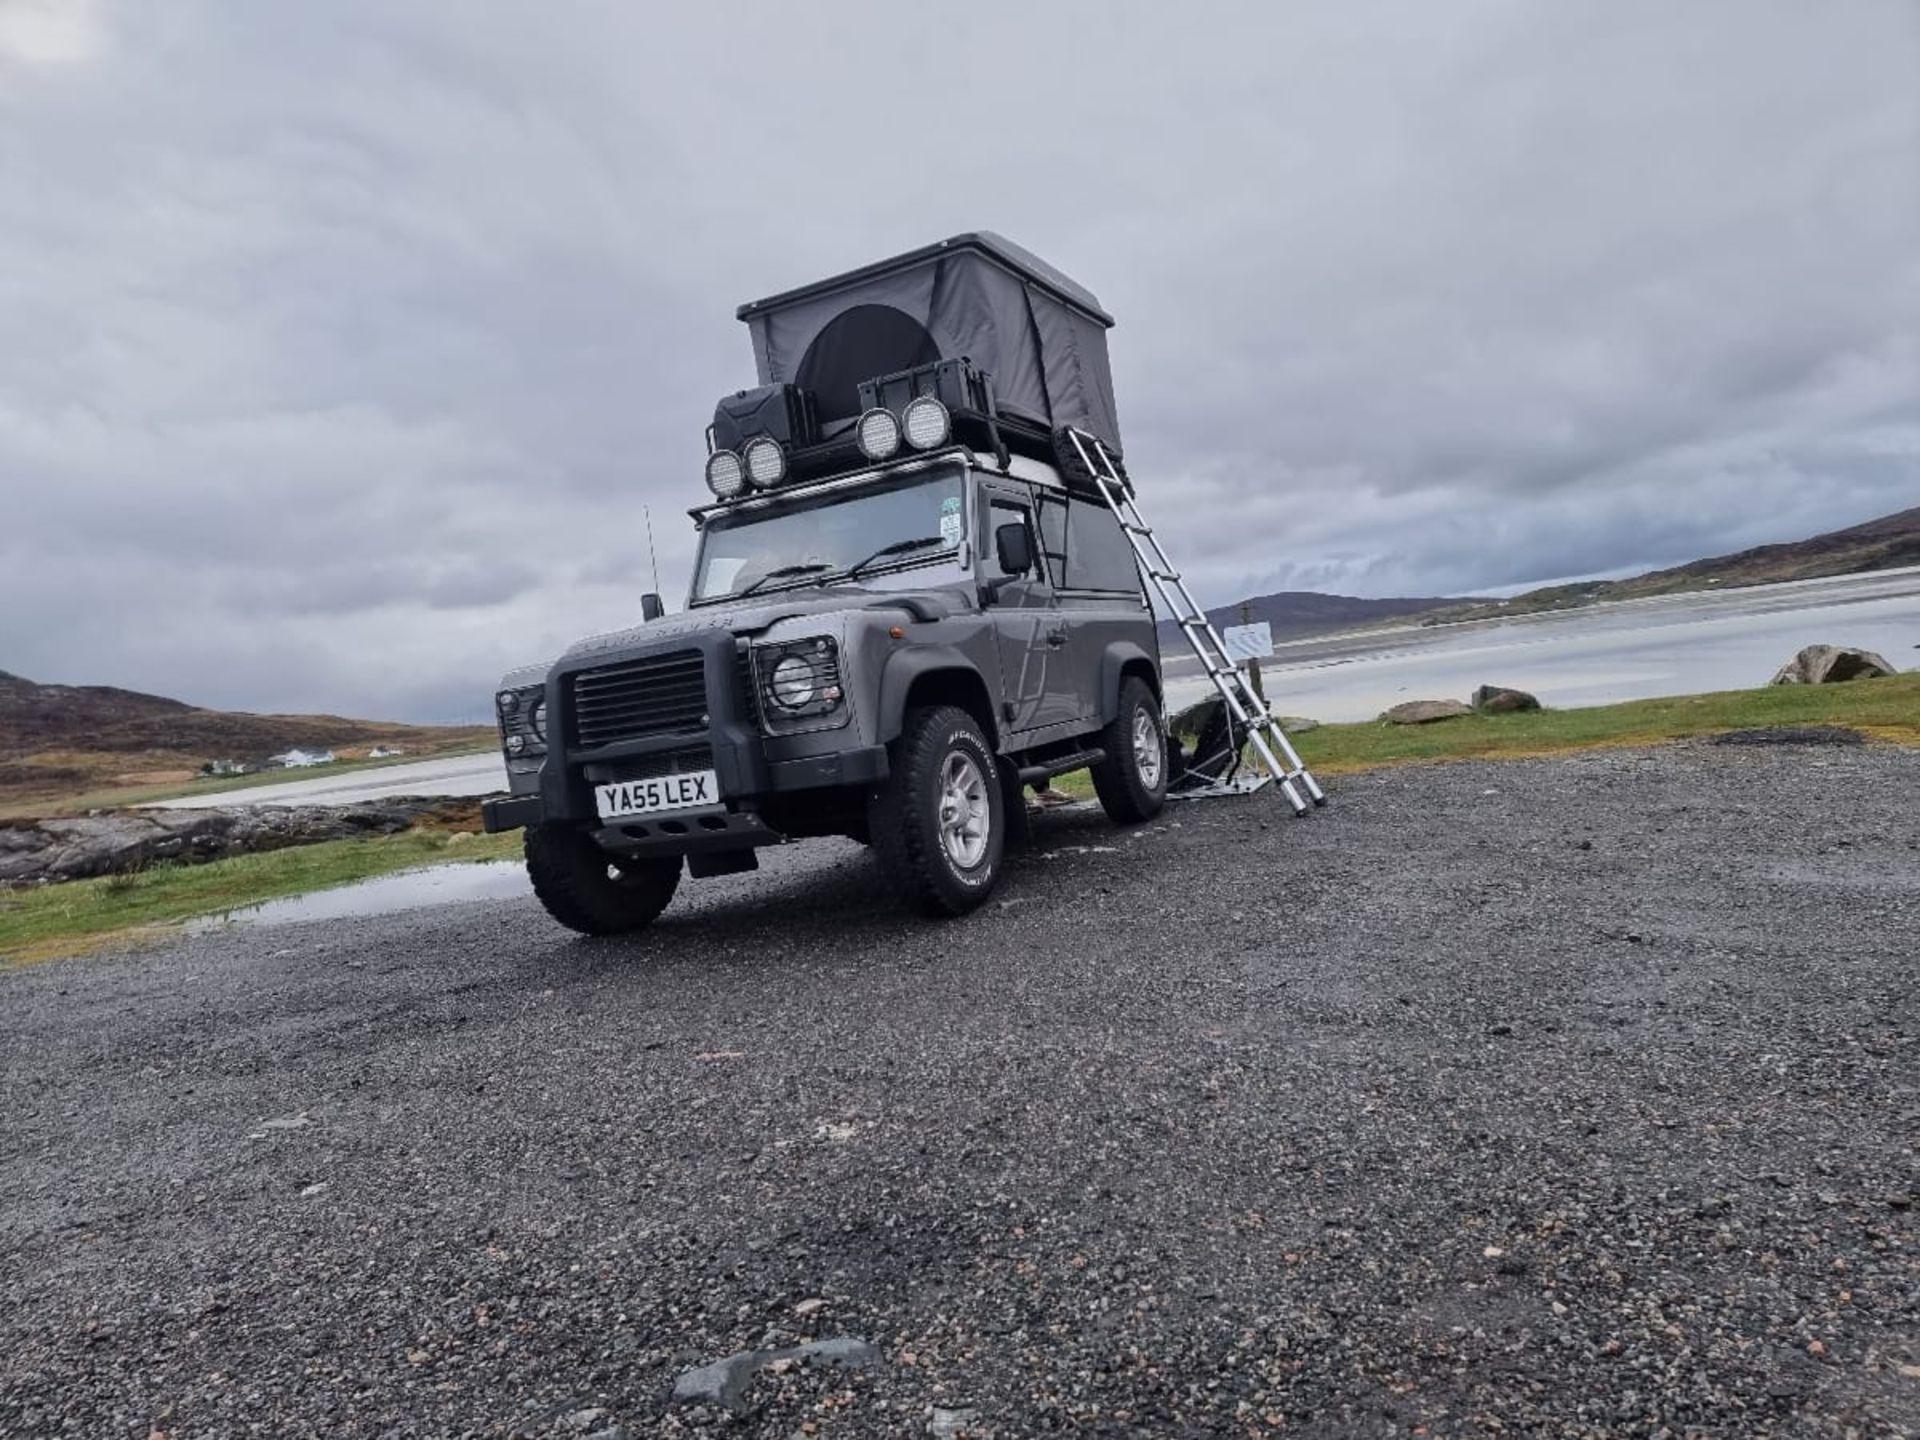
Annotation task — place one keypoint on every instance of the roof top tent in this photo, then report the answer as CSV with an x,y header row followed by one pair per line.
x,y
1039,335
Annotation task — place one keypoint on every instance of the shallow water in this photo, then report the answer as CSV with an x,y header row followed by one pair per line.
x,y
386,894
1628,650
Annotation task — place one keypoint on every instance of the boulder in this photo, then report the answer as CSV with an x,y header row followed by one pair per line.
x,y
1499,700
117,842
1830,664
1192,719
1297,724
1425,712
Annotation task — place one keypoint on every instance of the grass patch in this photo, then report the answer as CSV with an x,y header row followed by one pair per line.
x,y
58,920
1888,708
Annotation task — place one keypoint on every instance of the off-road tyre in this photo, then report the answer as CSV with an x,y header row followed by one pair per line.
x,y
588,890
1132,786
905,813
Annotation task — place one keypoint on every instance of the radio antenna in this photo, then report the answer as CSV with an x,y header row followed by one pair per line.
x,y
647,510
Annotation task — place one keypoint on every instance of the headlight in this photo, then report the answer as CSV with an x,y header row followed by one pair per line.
x,y
800,679
879,434
793,683
927,422
766,461
726,475
523,721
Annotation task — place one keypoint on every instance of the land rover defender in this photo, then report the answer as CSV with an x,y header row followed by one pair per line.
x,y
906,605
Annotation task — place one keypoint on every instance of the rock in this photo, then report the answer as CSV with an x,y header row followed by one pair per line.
x,y
956,1423
1425,712
1297,724
122,842
724,1382
585,1419
1830,664
1194,718
1499,700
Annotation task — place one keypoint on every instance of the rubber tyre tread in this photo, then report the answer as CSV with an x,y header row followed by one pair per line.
x,y
1116,780
569,875
903,814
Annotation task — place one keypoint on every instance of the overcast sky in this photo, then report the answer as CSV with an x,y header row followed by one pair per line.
x,y
343,343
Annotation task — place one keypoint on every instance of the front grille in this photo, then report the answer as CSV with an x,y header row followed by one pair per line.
x,y
660,695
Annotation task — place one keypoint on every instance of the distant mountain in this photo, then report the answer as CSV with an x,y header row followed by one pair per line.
x,y
1884,544
58,740
1298,614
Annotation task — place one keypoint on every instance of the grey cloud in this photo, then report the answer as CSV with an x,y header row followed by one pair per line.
x,y
347,343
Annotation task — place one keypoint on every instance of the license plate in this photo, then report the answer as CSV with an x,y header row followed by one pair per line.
x,y
695,790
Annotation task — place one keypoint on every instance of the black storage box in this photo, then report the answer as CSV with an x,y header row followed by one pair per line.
x,y
781,412
956,384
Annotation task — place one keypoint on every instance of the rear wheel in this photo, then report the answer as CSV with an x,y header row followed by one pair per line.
x,y
589,890
938,823
1132,781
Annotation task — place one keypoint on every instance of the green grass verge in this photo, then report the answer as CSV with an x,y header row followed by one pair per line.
x,y
1888,709
57,920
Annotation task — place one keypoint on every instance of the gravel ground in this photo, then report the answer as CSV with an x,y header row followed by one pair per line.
x,y
1565,1097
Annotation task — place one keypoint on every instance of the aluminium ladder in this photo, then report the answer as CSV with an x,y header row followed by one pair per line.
x,y
1243,703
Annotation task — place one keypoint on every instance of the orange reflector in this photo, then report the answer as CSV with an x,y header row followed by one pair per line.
x,y
897,633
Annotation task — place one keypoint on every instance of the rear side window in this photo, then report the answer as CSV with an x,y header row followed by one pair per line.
x,y
1085,547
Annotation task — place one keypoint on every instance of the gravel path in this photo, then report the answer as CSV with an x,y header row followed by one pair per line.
x,y
1565,1097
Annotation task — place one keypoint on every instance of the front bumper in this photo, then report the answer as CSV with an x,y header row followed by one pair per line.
x,y
748,764
509,814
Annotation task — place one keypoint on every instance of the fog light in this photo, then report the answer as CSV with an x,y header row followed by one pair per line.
x,y
766,461
726,475
927,422
879,435
516,744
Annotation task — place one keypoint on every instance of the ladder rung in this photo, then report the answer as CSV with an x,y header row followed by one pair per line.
x,y
1137,529
1170,575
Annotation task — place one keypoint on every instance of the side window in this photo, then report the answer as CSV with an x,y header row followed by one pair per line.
x,y
1053,539
1099,556
1001,512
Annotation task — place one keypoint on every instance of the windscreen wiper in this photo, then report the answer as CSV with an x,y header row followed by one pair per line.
x,y
785,572
899,547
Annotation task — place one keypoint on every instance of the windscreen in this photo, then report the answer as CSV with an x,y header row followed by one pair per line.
x,y
913,520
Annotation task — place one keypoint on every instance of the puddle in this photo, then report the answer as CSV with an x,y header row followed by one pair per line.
x,y
385,895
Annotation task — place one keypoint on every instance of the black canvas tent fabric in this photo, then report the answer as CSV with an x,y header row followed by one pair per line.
x,y
1041,335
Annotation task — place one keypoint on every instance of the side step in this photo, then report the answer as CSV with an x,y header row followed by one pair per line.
x,y
1061,765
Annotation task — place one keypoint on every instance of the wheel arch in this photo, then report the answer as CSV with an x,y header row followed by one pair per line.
x,y
939,675
1121,659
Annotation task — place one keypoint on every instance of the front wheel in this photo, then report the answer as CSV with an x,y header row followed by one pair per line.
x,y
589,890
939,821
1132,781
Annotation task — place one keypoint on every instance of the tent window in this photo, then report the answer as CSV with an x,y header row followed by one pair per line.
x,y
857,345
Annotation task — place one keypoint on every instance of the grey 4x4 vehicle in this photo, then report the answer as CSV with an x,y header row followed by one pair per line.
x,y
906,605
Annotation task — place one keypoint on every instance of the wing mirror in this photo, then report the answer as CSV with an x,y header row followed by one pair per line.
x,y
1013,546
651,606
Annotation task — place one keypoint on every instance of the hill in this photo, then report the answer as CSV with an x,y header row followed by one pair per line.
x,y
1884,544
58,742
1298,614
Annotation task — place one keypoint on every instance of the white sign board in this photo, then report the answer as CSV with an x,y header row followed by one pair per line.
x,y
1248,642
